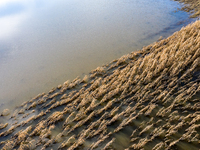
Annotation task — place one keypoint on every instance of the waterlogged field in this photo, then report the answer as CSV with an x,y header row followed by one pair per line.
x,y
144,100
44,43
191,6
149,99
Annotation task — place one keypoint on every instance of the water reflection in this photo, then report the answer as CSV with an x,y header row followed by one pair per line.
x,y
9,21
14,13
43,43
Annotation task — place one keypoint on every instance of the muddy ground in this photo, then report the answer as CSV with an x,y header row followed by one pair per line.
x,y
148,99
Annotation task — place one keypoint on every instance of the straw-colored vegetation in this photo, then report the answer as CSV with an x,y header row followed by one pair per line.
x,y
191,6
148,99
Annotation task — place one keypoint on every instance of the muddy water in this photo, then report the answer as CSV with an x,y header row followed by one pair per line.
x,y
44,43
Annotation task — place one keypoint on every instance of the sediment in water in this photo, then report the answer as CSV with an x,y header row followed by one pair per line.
x,y
148,99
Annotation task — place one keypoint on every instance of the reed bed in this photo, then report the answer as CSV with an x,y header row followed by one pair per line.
x,y
191,6
148,99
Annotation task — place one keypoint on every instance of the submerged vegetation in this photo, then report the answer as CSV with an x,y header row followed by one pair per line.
x,y
148,99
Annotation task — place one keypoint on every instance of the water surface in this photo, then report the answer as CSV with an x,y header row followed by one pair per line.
x,y
44,43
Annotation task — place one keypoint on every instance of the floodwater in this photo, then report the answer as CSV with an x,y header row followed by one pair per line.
x,y
44,43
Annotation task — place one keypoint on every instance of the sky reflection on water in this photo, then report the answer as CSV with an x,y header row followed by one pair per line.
x,y
43,43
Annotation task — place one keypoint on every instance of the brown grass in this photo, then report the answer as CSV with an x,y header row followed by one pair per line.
x,y
192,6
148,99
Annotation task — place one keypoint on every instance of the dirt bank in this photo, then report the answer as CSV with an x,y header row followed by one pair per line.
x,y
192,6
148,99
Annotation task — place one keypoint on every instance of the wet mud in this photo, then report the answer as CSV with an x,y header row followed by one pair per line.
x,y
148,99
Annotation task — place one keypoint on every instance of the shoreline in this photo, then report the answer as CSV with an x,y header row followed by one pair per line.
x,y
191,6
143,96
24,80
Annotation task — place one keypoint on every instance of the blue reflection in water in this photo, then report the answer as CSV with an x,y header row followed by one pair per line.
x,y
10,9
43,43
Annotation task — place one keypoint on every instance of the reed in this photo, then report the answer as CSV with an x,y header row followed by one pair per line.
x,y
150,98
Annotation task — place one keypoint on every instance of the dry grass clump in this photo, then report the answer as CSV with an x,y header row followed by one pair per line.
x,y
192,6
56,116
67,143
2,126
5,112
145,100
